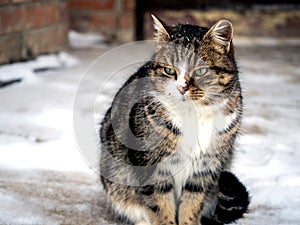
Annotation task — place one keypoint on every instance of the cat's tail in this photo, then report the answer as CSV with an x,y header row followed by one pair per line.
x,y
233,201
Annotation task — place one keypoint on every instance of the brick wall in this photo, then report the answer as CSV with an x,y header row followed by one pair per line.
x,y
113,18
32,27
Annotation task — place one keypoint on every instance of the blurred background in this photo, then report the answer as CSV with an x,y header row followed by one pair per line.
x,y
32,27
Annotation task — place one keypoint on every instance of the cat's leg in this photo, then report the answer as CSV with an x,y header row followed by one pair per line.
x,y
190,207
124,203
148,205
198,197
132,213
157,209
160,199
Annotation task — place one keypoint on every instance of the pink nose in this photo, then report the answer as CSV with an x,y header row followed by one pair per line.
x,y
181,89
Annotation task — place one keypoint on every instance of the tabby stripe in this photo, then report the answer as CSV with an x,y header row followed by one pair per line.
x,y
238,201
206,173
164,173
160,189
227,216
176,54
154,208
222,69
225,197
182,48
168,125
171,59
196,59
226,208
179,51
184,52
189,58
234,123
166,59
193,187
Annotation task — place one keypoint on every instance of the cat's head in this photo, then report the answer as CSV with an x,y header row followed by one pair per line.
x,y
195,63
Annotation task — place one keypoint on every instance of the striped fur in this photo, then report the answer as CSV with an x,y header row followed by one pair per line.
x,y
170,131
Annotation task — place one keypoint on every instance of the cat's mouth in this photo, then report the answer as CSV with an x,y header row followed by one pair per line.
x,y
182,90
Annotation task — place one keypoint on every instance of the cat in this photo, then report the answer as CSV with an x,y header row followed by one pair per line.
x,y
168,138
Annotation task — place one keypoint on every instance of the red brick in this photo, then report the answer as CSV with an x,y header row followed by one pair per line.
x,y
47,40
10,48
24,1
127,21
11,20
41,15
92,4
102,20
128,4
4,2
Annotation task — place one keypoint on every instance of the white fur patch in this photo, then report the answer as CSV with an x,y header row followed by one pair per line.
x,y
182,71
198,134
142,223
199,125
135,213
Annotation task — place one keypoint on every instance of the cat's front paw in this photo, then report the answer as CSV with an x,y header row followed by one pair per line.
x,y
142,222
190,221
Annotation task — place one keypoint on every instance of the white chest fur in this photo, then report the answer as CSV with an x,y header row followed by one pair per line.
x,y
199,128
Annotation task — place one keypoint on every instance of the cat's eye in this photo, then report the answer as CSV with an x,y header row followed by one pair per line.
x,y
201,71
170,71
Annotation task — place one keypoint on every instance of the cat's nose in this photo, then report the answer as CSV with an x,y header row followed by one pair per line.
x,y
181,89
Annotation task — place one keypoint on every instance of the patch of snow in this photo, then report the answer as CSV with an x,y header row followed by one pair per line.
x,y
44,151
26,70
60,60
60,155
86,40
17,71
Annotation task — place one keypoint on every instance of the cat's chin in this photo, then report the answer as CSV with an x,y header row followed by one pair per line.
x,y
184,98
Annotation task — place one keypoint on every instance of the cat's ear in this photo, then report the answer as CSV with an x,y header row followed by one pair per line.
x,y
161,28
221,33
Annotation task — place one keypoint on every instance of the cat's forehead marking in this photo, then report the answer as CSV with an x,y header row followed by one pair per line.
x,y
182,71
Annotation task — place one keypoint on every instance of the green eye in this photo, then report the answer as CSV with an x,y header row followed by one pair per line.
x,y
170,71
200,72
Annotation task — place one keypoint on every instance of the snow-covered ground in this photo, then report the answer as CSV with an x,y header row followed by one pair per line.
x,y
46,177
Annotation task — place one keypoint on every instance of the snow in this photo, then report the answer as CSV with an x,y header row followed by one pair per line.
x,y
47,175
79,40
25,70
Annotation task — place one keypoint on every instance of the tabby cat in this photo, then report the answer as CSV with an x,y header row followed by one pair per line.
x,y
168,137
